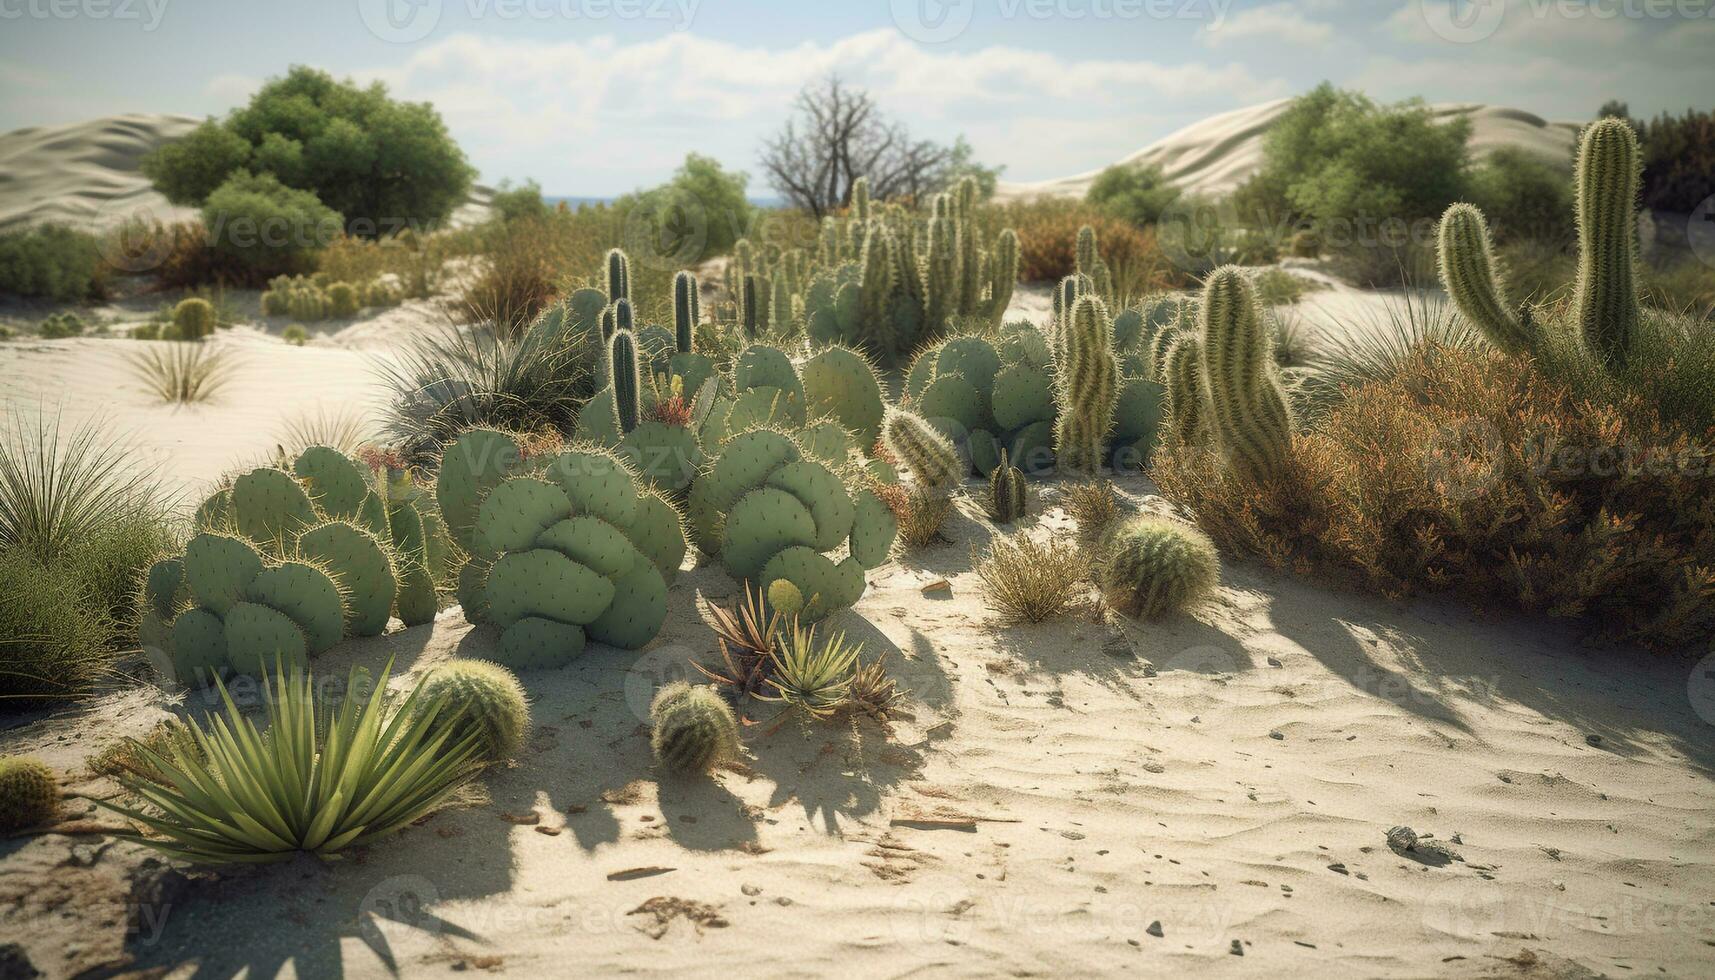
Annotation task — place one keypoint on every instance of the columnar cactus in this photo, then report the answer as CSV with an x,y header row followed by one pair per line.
x,y
618,275
1607,298
1187,401
860,199
771,512
1002,275
1469,275
623,379
1247,404
618,316
563,548
939,270
750,312
1006,491
694,728
927,453
875,328
686,310
1086,387
1154,566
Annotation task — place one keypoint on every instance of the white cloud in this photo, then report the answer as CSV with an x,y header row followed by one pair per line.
x,y
232,90
598,116
1275,22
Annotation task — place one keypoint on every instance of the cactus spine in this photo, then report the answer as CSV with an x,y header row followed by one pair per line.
x,y
1247,404
1468,273
1087,387
694,729
1607,244
686,310
622,377
618,276
1006,491
926,452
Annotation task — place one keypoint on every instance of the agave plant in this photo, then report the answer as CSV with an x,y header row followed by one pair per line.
x,y
872,692
811,675
747,638
308,784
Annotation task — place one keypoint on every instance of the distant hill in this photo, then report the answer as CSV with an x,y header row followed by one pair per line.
x,y
1216,155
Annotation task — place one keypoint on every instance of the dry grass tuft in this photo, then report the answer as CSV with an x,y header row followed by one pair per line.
x,y
1093,506
920,513
183,373
1031,581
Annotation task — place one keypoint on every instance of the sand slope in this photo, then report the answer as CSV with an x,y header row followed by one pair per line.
x,y
86,174
1217,154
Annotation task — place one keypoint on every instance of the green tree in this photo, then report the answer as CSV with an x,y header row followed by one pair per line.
x,y
383,165
269,228
700,212
1138,194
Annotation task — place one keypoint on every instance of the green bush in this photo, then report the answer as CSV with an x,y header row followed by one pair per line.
x,y
52,645
1678,157
343,300
700,213
269,228
295,334
524,201
380,164
52,262
1522,196
1138,194
65,324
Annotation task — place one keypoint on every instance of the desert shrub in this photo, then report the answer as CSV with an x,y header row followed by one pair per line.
x,y
444,383
1685,285
1048,242
267,228
1277,287
525,269
183,374
1138,194
1482,475
344,300
511,203
1031,581
1522,196
1375,349
52,644
919,512
699,213
1537,271
1151,566
412,261
1092,506
295,334
61,325
382,165
128,756
52,262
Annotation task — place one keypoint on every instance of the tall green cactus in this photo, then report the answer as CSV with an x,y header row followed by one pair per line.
x,y
1182,376
1469,275
1247,403
1086,252
1087,387
876,326
860,199
618,275
1006,491
1003,275
1607,180
623,378
618,316
686,310
749,308
925,451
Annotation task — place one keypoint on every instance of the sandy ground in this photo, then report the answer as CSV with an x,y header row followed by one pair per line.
x,y
1058,796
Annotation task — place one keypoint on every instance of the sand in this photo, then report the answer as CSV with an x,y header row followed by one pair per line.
x,y
1219,153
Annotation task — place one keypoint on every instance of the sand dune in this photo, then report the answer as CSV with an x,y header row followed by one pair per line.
x,y
1217,154
86,174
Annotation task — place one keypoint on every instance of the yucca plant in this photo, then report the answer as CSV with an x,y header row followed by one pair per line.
x,y
309,783
747,637
811,676
183,373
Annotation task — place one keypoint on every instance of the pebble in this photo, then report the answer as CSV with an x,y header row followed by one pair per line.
x,y
1155,929
1277,736
750,890
1593,739
1237,949
1274,661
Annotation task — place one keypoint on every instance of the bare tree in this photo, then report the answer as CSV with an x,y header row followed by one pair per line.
x,y
837,135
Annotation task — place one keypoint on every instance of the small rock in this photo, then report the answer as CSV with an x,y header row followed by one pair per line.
x,y
782,901
1155,929
1274,661
1277,736
1134,942
1402,838
939,585
750,890
1148,669
1338,868
1119,648
1593,739
1237,948
15,963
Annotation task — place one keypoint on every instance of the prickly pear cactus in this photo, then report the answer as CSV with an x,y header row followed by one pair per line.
x,y
564,548
990,396
771,511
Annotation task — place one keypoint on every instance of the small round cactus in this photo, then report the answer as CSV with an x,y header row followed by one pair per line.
x,y
295,334
484,696
29,794
343,300
694,728
1155,566
194,317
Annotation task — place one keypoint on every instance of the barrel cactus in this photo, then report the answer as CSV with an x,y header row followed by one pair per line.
x,y
694,728
1153,566
772,511
193,318
29,793
343,300
563,548
481,696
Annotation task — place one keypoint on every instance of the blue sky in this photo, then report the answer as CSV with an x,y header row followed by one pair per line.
x,y
596,97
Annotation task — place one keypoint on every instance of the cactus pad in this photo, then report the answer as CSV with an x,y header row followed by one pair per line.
x,y
475,463
597,483
593,543
218,569
822,493
258,639
361,569
336,484
270,505
198,647
307,596
761,524
1022,394
516,511
638,609
545,583
873,530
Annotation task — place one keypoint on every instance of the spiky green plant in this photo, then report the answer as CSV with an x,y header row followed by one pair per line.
x,y
876,328
343,300
811,674
61,490
1607,296
182,373
1154,566
1187,402
1086,387
480,697
622,377
1247,404
194,318
1468,273
1006,491
687,310
618,275
750,313
29,793
940,267
926,452
1003,275
694,728
313,782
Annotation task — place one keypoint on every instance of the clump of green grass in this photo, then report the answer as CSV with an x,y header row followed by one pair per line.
x,y
183,373
342,429
1030,581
